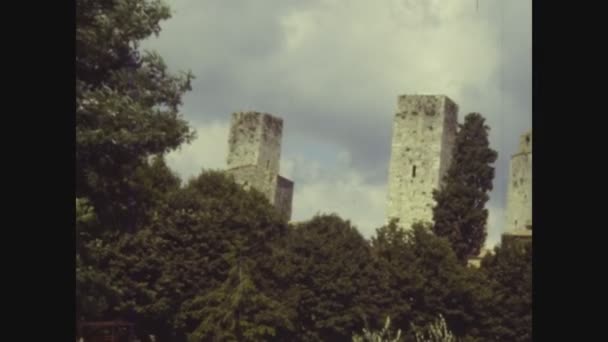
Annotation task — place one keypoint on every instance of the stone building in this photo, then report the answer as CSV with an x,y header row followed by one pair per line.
x,y
424,132
254,153
519,192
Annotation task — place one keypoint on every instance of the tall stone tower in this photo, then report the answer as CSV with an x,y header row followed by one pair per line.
x,y
254,152
424,131
519,192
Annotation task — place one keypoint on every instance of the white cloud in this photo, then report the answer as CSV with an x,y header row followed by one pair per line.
x,y
384,49
208,151
336,188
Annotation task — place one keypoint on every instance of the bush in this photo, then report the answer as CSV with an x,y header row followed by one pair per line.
x,y
435,332
383,335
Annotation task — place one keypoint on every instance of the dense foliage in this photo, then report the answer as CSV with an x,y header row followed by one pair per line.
x,y
127,104
427,279
210,261
332,283
510,272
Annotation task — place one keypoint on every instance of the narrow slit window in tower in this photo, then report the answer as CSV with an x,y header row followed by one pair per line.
x,y
267,164
414,171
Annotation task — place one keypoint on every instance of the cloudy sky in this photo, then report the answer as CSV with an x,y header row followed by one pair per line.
x,y
332,69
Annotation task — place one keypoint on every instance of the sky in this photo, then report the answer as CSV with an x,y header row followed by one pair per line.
x,y
332,70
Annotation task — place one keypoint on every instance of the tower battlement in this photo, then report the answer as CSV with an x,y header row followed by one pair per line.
x,y
255,139
425,104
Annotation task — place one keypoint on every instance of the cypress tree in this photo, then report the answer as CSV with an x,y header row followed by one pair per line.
x,y
460,214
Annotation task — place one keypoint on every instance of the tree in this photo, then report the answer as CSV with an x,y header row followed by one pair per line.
x,y
153,184
126,104
391,246
94,290
237,310
460,214
331,280
426,279
424,273
186,252
510,272
97,248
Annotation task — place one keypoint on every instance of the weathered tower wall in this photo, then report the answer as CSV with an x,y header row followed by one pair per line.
x,y
255,150
519,193
424,131
255,139
254,153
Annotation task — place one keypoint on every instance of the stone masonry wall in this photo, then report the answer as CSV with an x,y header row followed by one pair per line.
x,y
254,154
255,141
519,193
252,176
424,130
244,140
269,156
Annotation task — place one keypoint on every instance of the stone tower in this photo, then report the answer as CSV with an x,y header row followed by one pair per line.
x,y
424,131
254,152
519,192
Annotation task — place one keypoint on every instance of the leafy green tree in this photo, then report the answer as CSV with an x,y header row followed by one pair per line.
x,y
97,294
94,290
426,279
424,272
153,184
237,310
331,279
392,248
510,270
460,214
185,253
126,104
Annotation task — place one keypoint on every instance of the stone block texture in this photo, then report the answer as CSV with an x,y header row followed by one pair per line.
x,y
254,153
519,192
424,132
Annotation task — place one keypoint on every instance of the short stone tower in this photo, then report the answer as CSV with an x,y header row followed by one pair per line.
x,y
254,153
519,192
424,131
